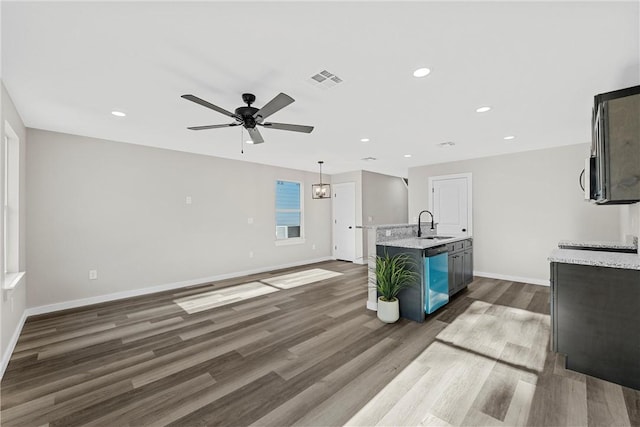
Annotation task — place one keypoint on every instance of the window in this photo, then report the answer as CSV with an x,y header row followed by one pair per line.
x,y
288,210
10,223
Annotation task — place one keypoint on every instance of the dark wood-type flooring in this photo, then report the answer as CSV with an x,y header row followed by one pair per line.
x,y
311,355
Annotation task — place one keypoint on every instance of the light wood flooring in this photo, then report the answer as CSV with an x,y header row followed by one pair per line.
x,y
310,355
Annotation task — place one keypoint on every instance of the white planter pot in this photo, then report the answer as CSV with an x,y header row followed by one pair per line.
x,y
388,311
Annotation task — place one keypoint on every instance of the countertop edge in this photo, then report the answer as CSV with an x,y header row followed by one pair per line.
x,y
596,258
574,244
417,243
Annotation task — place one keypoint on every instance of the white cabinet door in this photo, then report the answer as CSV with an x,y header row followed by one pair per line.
x,y
451,203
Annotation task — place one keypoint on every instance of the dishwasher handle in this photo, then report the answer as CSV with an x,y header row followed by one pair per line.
x,y
435,251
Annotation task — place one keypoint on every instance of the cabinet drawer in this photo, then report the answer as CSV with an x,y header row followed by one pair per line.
x,y
456,246
468,243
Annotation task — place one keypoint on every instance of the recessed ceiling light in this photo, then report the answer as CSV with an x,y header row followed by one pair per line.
x,y
368,159
483,109
447,144
248,141
407,155
510,137
365,140
118,113
421,72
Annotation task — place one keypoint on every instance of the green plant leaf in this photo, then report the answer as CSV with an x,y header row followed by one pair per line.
x,y
394,273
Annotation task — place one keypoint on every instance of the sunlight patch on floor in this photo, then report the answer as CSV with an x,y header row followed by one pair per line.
x,y
292,280
481,369
195,303
207,300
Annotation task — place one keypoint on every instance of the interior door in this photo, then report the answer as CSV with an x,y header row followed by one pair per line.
x,y
344,221
450,200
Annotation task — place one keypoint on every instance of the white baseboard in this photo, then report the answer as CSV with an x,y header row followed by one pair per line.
x,y
12,344
50,308
512,278
372,306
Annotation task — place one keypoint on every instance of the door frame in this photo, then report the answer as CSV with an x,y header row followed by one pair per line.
x,y
333,220
466,175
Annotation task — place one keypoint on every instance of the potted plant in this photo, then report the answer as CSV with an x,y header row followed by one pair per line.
x,y
393,273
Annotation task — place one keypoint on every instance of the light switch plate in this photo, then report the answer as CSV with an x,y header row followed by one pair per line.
x,y
93,274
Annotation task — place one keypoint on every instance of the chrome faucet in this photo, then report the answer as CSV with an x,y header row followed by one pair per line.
x,y
419,215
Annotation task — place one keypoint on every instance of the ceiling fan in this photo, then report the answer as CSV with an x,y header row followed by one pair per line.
x,y
249,116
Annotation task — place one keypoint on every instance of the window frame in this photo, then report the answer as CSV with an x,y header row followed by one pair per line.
x,y
289,240
11,273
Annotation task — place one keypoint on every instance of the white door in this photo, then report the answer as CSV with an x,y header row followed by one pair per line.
x,y
344,221
451,204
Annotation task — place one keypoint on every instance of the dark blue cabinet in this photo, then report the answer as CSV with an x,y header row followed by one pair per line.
x,y
595,321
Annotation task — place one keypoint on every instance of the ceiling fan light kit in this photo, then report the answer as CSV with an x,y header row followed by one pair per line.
x,y
251,117
321,191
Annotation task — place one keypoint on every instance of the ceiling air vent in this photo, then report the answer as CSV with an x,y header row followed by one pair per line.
x,y
325,79
369,159
447,144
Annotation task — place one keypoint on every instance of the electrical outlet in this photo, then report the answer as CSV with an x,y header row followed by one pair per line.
x,y
93,274
250,254
249,220
387,233
313,246
370,218
188,200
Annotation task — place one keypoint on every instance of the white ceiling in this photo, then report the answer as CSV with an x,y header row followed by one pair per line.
x,y
538,64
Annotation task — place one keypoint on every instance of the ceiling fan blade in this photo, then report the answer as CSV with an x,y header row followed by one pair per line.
x,y
204,103
276,104
212,126
255,136
286,126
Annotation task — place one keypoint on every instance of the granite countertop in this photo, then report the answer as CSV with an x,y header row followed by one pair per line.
x,y
416,243
573,244
383,226
596,258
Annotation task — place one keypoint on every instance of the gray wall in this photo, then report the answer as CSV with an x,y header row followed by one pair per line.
x,y
523,204
380,199
630,221
384,201
120,209
13,303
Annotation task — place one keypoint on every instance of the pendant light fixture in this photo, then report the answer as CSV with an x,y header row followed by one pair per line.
x,y
321,191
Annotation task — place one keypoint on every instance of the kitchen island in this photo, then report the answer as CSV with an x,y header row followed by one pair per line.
x,y
595,310
414,300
